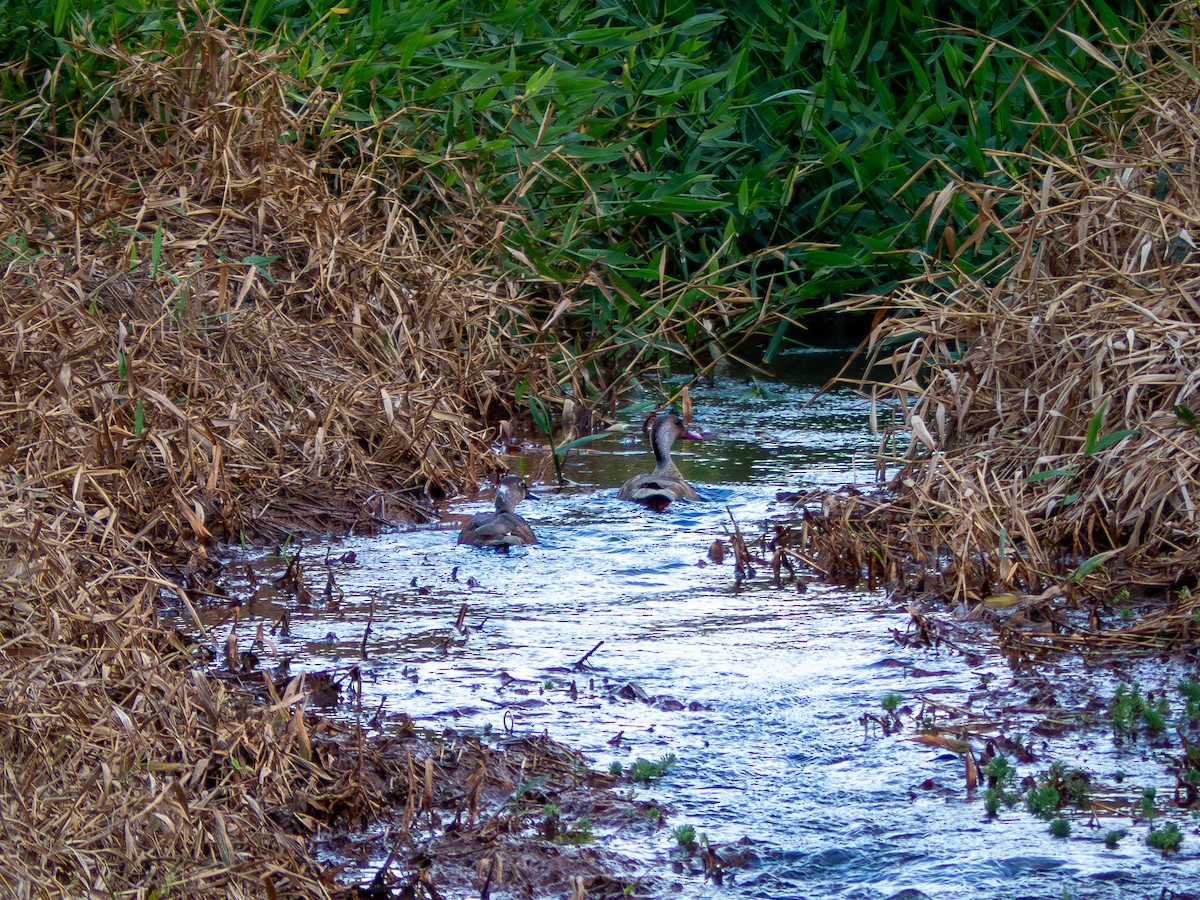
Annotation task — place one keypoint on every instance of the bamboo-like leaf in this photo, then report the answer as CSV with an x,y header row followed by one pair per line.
x,y
1050,473
156,250
541,417
1090,565
1093,431
1108,440
1186,415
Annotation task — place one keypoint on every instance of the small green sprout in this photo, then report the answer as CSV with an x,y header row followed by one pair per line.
x,y
685,836
1146,804
1167,839
1060,827
891,702
1113,837
1043,801
645,770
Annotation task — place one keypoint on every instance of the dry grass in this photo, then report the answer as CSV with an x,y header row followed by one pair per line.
x,y
1044,407
213,324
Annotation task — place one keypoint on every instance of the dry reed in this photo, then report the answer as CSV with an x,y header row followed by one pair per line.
x,y
1044,408
212,326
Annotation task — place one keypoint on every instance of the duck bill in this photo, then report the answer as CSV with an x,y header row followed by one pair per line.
x,y
690,436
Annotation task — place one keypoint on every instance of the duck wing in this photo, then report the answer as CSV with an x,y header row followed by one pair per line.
x,y
657,490
496,529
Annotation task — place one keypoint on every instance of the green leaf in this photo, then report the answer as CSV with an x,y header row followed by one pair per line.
x,y
139,419
1109,439
261,8
61,10
585,439
541,417
1093,431
1186,415
1050,473
156,250
1090,565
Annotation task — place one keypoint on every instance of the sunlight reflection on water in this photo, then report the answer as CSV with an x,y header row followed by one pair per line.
x,y
770,683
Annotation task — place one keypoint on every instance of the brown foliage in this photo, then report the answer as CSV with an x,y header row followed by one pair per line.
x,y
210,324
1042,402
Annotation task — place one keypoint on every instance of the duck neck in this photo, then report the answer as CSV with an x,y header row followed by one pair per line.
x,y
664,465
506,499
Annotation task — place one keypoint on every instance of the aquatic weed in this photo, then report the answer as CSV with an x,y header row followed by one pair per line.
x,y
1113,837
644,769
1129,710
1191,701
1060,827
1146,804
685,836
1043,800
1000,775
891,702
1167,839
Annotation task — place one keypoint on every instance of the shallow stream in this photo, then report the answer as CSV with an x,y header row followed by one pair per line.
x,y
758,692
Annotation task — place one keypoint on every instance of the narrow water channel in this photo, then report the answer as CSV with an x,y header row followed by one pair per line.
x,y
757,692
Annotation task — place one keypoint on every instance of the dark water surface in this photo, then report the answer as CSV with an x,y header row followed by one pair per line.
x,y
770,684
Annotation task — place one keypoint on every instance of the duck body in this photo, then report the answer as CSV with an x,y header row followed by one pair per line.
x,y
662,487
503,528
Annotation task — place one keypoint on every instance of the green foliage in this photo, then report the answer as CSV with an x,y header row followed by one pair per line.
x,y
1001,776
891,702
1146,807
685,836
1056,787
1060,827
1191,700
1167,839
645,770
1129,710
1113,837
676,148
1043,800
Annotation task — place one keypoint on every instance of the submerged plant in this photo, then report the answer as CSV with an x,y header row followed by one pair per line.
x,y
1057,786
1129,710
1000,776
1167,839
1191,701
1146,803
1043,800
645,770
685,836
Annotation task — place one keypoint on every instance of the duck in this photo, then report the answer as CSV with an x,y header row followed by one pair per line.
x,y
663,486
503,528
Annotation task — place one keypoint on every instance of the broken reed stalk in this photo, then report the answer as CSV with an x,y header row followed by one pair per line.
x,y
1047,405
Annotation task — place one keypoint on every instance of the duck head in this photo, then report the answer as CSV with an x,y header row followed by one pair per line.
x,y
667,429
511,490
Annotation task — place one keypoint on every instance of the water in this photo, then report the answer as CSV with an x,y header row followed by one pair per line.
x,y
758,692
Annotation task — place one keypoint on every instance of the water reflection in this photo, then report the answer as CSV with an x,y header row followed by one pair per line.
x,y
757,692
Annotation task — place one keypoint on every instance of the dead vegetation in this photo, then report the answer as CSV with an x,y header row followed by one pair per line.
x,y
213,325
1050,453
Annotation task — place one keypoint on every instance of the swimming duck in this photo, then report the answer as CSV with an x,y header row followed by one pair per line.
x,y
501,528
665,484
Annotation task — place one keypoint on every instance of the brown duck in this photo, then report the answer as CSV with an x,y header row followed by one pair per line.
x,y
502,528
665,484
